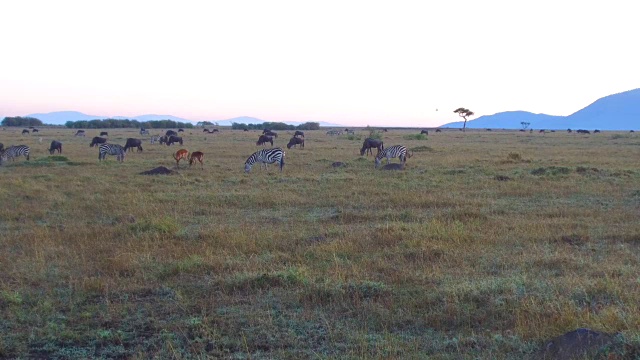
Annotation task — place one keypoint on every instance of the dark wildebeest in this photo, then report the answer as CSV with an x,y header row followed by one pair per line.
x,y
424,132
163,139
384,130
264,131
583,131
205,130
211,131
34,130
596,131
245,129
489,130
631,131
25,131
271,133
522,130
133,143
438,130
263,139
104,133
1,146
298,132
370,143
55,145
97,140
171,133
569,131
541,131
180,130
174,139
79,133
295,141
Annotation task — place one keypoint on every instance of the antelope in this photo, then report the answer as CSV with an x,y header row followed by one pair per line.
x,y
196,156
179,155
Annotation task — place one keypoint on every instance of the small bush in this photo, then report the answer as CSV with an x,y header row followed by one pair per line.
x,y
375,134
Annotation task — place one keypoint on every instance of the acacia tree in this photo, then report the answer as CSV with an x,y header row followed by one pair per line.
x,y
525,125
464,113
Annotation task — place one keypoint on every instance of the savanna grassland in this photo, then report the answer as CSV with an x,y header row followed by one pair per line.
x,y
485,246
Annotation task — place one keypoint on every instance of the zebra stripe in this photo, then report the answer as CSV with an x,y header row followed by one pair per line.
x,y
13,152
398,151
265,156
155,138
144,132
111,149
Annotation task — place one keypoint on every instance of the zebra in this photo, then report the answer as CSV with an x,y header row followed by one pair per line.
x,y
13,152
154,139
398,151
265,156
144,132
111,149
334,132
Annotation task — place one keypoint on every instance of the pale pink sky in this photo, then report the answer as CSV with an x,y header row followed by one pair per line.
x,y
348,62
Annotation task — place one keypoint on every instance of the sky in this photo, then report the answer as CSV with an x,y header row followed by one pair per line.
x,y
358,63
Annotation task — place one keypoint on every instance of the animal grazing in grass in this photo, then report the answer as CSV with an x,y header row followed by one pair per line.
x,y
1,146
264,139
144,131
569,131
298,133
55,145
170,133
104,133
264,131
334,132
271,133
265,156
79,133
583,131
424,132
631,131
25,131
398,151
133,143
111,149
541,131
438,130
349,131
295,141
181,154
97,140
370,143
174,139
210,131
180,130
12,152
34,130
154,139
197,156
596,131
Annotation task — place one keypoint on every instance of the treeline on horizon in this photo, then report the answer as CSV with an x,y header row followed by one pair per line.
x,y
126,123
21,121
276,126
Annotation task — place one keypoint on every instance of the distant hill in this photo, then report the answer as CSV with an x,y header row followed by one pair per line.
x,y
61,117
614,112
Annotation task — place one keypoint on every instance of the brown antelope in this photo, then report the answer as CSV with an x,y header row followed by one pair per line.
x,y
179,155
196,156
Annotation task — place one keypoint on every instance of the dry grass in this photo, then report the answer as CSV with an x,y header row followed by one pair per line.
x,y
439,260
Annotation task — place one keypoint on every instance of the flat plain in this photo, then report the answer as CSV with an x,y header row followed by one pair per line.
x,y
485,246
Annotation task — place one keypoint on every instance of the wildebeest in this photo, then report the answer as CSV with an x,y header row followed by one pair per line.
x,y
370,143
245,129
210,131
298,132
438,130
263,139
55,145
171,133
522,130
424,132
79,133
181,130
295,141
541,131
197,156
133,143
384,130
631,131
569,131
174,139
34,130
264,131
271,133
583,131
489,130
596,131
349,132
25,131
1,146
104,133
97,140
179,155
164,139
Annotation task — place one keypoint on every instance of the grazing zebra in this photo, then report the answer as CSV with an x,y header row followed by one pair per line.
x,y
155,138
144,131
334,132
111,149
265,156
12,152
398,151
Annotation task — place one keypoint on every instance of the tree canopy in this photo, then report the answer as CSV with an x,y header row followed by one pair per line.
x,y
126,123
21,121
464,113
